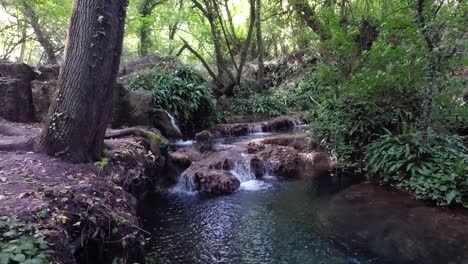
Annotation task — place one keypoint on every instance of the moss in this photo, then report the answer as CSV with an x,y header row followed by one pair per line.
x,y
153,137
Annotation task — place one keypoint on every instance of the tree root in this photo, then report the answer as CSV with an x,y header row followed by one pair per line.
x,y
22,145
9,130
150,140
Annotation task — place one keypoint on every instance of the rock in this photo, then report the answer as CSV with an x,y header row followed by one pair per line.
x,y
286,161
48,73
22,72
298,142
185,157
204,140
166,123
217,161
42,95
140,64
205,135
16,100
216,182
277,124
393,225
136,108
258,167
138,105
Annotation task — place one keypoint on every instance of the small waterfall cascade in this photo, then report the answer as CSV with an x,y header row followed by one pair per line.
x,y
173,121
255,129
242,169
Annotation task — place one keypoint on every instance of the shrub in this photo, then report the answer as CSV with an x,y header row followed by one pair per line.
x,y
181,91
436,171
345,126
247,102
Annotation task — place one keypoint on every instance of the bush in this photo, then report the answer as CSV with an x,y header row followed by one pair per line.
x,y
436,171
181,91
345,126
247,102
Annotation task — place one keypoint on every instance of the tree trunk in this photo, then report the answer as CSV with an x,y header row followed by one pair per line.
x,y
77,119
309,16
39,32
260,73
245,47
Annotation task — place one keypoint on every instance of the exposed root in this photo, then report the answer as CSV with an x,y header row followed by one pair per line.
x,y
9,130
150,140
15,145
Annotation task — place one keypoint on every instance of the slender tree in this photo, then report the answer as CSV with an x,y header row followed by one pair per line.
x,y
258,23
77,119
40,33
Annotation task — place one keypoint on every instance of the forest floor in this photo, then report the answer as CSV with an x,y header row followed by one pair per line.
x,y
75,206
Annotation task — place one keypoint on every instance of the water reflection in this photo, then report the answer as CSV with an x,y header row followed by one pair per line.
x,y
272,225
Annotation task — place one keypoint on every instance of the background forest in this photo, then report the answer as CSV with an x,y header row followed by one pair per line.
x,y
384,82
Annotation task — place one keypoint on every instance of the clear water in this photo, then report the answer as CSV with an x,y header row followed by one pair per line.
x,y
268,221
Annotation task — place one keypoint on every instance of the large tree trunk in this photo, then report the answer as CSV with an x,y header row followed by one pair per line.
x,y
77,119
260,73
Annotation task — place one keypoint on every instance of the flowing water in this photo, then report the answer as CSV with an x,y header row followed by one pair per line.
x,y
267,221
272,221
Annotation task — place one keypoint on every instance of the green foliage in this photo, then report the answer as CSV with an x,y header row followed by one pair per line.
x,y
101,164
180,90
20,243
450,108
247,102
345,126
436,171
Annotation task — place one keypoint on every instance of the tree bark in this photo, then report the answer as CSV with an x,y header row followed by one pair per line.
x,y
145,10
309,16
260,73
77,119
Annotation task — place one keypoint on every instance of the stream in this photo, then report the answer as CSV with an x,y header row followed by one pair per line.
x,y
268,221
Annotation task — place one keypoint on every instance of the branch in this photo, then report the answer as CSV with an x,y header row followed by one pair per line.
x,y
205,64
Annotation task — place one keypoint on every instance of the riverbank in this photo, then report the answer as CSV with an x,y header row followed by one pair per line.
x,y
86,212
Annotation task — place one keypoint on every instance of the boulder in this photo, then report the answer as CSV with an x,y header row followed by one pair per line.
x,y
286,161
204,140
22,72
395,226
166,123
216,182
138,105
42,95
16,100
48,73
185,157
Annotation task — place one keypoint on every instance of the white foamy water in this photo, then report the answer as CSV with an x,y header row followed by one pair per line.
x,y
255,185
255,129
173,121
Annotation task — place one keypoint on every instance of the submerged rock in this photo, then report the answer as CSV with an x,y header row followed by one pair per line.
x,y
394,225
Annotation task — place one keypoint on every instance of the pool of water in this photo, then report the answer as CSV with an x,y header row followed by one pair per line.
x,y
268,221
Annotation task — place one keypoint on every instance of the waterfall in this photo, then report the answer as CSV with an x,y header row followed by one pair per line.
x,y
242,169
255,129
173,121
